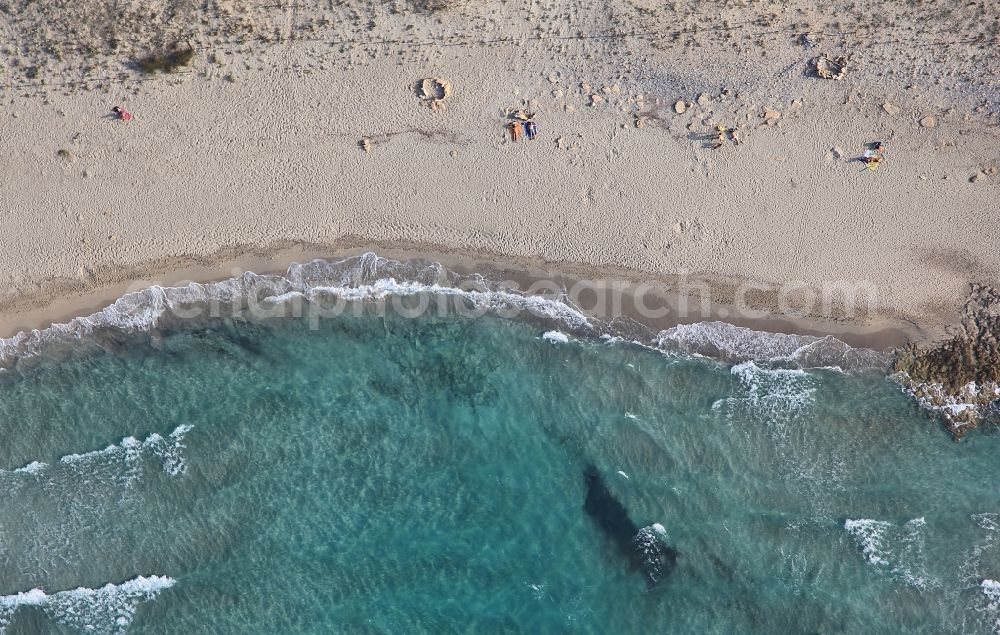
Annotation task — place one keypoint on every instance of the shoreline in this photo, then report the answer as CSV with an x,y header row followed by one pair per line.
x,y
716,160
59,301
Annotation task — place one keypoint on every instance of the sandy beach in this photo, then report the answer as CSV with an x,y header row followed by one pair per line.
x,y
298,129
735,273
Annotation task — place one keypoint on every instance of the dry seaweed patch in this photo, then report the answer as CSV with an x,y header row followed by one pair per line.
x,y
959,378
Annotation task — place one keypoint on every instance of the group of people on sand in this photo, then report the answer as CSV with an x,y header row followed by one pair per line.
x,y
528,128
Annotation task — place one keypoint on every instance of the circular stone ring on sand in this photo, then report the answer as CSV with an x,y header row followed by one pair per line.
x,y
830,67
434,91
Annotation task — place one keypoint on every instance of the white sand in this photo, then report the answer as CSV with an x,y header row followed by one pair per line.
x,y
210,168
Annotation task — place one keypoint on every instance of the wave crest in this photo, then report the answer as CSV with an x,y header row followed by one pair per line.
x,y
128,452
366,277
991,594
105,611
735,344
899,551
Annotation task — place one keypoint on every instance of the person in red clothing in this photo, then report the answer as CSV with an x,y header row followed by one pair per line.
x,y
123,114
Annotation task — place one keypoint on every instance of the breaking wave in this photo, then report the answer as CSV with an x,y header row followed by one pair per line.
x,y
127,453
991,608
366,277
65,500
105,611
130,450
735,344
372,278
790,389
896,550
772,397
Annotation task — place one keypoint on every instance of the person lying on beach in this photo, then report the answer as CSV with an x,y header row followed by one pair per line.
x,y
123,114
873,156
515,130
530,129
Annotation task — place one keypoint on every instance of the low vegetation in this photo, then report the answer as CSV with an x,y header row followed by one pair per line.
x,y
433,6
167,61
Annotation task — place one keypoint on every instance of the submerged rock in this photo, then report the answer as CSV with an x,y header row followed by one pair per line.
x,y
645,548
657,559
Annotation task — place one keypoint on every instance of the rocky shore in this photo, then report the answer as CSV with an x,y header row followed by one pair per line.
x,y
959,378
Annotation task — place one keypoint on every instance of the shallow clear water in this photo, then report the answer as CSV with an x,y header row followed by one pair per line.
x,y
384,475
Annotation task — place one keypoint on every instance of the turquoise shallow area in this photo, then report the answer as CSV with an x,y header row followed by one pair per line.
x,y
391,475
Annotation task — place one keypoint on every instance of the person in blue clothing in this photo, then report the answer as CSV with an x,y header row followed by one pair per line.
x,y
530,129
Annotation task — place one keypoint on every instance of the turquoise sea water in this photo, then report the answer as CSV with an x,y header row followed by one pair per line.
x,y
399,475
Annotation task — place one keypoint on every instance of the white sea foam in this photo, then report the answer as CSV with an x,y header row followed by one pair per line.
x,y
556,337
491,300
372,278
35,467
896,550
62,502
768,408
870,536
367,277
775,393
651,543
771,409
130,451
127,453
972,568
538,590
991,592
732,343
104,611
